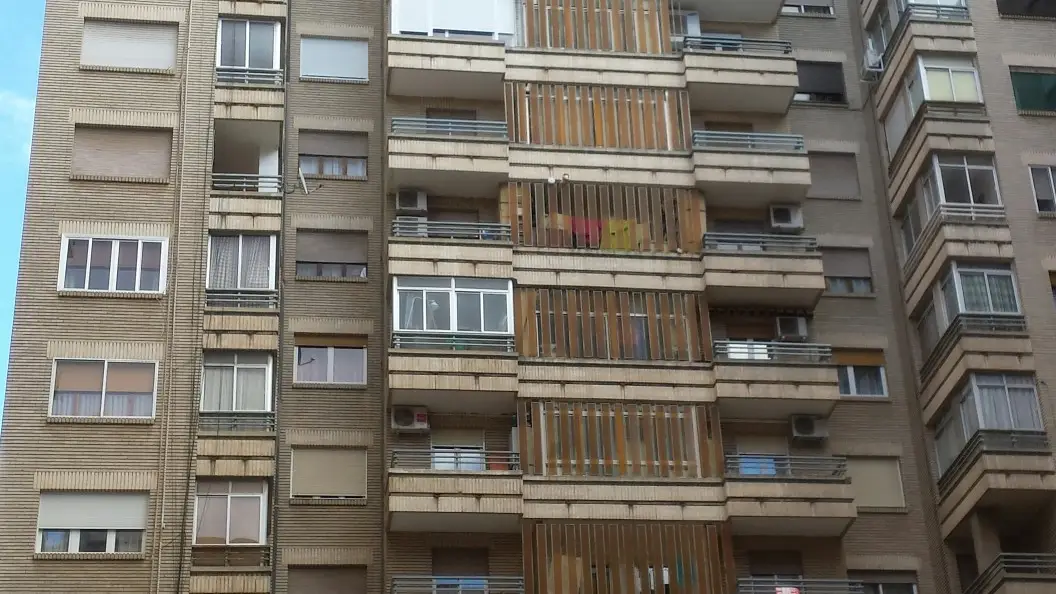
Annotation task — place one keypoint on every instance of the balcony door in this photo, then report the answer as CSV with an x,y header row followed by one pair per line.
x,y
248,44
460,570
458,449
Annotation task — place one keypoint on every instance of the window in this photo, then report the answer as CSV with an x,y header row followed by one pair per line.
x,y
814,7
1044,181
121,154
331,359
117,44
970,289
91,522
242,262
932,78
331,254
234,381
834,175
861,372
435,19
338,154
130,265
847,271
331,58
1034,91
987,401
441,304
304,580
230,512
892,588
1027,8
312,473
886,582
110,389
248,44
821,82
876,482
454,449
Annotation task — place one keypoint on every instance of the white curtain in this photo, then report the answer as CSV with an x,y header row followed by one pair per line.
x,y
218,388
77,404
311,364
252,389
256,262
127,404
350,366
1002,293
223,262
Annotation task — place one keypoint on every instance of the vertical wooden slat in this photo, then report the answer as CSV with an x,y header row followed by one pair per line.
x,y
586,555
528,553
663,237
662,420
534,113
632,436
641,33
619,453
579,439
650,129
656,547
677,437
628,24
673,553
651,450
706,339
654,328
558,559
613,130
707,453
565,206
529,337
592,465
625,322
704,552
600,325
679,329
663,12
689,437
573,110
570,39
553,429
611,309
681,132
608,440
693,324
538,420
566,438
560,111
613,20
574,323
557,307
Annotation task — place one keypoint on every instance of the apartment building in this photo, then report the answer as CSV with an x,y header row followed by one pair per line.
x,y
536,297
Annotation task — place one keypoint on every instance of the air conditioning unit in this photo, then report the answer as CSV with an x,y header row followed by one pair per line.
x,y
412,201
809,428
786,218
412,226
791,328
410,419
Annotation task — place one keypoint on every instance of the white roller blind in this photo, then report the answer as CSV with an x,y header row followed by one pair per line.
x,y
458,437
477,16
325,57
412,16
122,511
129,45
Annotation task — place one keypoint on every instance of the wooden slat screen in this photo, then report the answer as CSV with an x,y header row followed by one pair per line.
x,y
628,558
638,26
617,439
614,325
600,117
606,216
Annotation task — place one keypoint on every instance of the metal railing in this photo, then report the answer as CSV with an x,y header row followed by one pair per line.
x,y
231,556
222,421
435,584
768,467
247,182
249,76
452,341
749,242
934,110
748,141
921,12
1028,567
992,441
961,214
718,43
741,351
970,324
241,298
492,129
443,459
451,230
792,585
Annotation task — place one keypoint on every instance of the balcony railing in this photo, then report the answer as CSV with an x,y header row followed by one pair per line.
x,y
966,324
249,557
766,467
934,110
451,230
738,351
247,182
249,76
452,341
224,421
443,459
718,43
958,214
748,141
781,585
241,298
992,441
922,12
439,127
434,584
1026,567
752,243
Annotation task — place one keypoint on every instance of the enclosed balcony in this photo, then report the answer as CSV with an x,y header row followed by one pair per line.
x,y
728,74
1017,573
404,584
762,269
920,27
750,169
246,158
735,11
449,157
796,585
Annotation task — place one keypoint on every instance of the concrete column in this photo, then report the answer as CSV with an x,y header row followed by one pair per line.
x,y
985,539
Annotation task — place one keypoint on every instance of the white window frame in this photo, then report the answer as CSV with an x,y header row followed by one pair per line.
x,y
114,251
922,67
234,384
1051,170
853,382
276,58
954,273
904,99
102,400
272,265
880,586
453,306
263,495
791,8
74,544
330,365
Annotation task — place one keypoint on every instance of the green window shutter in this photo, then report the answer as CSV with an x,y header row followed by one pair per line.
x,y
1034,91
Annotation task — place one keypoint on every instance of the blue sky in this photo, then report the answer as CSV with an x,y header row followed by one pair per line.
x,y
20,45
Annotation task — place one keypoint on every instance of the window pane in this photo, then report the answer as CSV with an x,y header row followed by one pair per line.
x,y
150,267
468,312
309,165
964,88
92,541
211,522
311,364
939,87
349,366
99,273
495,313
356,167
437,311
1043,191
993,405
481,283
223,262
127,263
128,541
332,166
76,263
252,389
973,287
256,262
261,45
984,186
955,183
411,311
55,541
233,43
1024,405
869,380
845,380
218,387
245,520
1002,293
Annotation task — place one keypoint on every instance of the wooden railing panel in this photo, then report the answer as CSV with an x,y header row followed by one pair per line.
x,y
637,26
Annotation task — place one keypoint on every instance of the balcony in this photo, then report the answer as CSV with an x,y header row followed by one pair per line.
x,y
217,558
739,75
736,11
454,490
218,423
246,158
421,66
442,248
254,77
772,380
241,299
923,28
453,371
402,584
1017,573
1011,473
771,270
781,585
750,170
467,158
771,495
249,94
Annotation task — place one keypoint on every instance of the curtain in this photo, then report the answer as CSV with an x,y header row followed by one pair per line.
x,y
1023,401
1002,293
218,388
245,520
128,404
868,380
973,288
350,365
223,262
77,404
993,407
311,364
964,87
211,525
256,262
252,390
